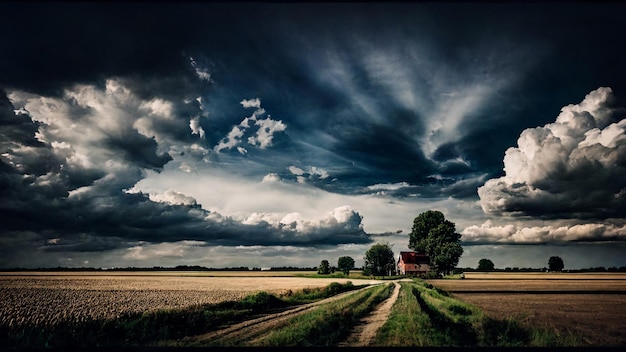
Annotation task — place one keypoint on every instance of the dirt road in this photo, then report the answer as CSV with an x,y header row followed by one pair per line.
x,y
364,333
250,328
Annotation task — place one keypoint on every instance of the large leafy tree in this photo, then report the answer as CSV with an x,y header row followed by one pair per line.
x,y
435,236
555,263
485,265
345,264
379,259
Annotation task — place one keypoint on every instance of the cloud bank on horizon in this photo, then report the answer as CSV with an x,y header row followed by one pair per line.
x,y
296,138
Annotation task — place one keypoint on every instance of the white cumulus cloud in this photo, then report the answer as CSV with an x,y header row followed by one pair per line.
x,y
172,197
259,131
339,221
251,103
515,233
571,168
296,170
388,186
271,177
194,124
312,173
201,72
265,133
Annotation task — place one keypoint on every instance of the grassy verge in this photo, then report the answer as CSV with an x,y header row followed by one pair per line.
x,y
427,316
326,325
336,275
353,275
147,329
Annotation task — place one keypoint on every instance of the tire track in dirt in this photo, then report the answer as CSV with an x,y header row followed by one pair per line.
x,y
250,328
363,334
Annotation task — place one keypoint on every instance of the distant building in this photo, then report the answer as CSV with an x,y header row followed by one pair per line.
x,y
413,264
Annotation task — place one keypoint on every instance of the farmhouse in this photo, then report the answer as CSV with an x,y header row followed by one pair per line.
x,y
413,264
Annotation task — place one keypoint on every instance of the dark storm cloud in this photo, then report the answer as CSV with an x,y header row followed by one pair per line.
x,y
385,152
340,69
107,150
53,45
52,186
399,100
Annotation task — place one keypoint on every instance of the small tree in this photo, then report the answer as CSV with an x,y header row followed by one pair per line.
x,y
324,267
485,265
555,263
345,264
379,259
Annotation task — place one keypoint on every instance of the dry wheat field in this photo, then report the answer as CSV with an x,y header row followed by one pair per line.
x,y
591,306
48,298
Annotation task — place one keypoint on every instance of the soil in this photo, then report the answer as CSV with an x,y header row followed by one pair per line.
x,y
589,306
596,319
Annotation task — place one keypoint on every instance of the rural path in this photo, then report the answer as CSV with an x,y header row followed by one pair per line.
x,y
250,328
363,334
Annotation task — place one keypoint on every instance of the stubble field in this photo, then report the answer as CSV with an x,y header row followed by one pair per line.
x,y
589,306
46,299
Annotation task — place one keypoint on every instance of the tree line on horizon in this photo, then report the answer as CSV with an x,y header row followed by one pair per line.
x,y
459,270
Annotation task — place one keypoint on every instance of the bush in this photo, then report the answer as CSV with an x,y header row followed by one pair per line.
x,y
335,288
261,300
459,310
505,333
442,292
432,275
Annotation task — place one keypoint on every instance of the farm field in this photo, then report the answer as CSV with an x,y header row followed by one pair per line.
x,y
48,298
174,273
590,306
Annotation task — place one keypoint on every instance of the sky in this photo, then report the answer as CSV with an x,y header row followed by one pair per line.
x,y
270,134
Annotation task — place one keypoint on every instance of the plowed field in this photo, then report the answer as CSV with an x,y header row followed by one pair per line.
x,y
590,306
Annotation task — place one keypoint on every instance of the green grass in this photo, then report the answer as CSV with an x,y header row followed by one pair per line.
x,y
355,274
335,275
326,325
451,329
407,325
544,338
307,295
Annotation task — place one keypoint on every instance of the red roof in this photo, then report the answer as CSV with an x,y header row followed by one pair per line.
x,y
414,258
